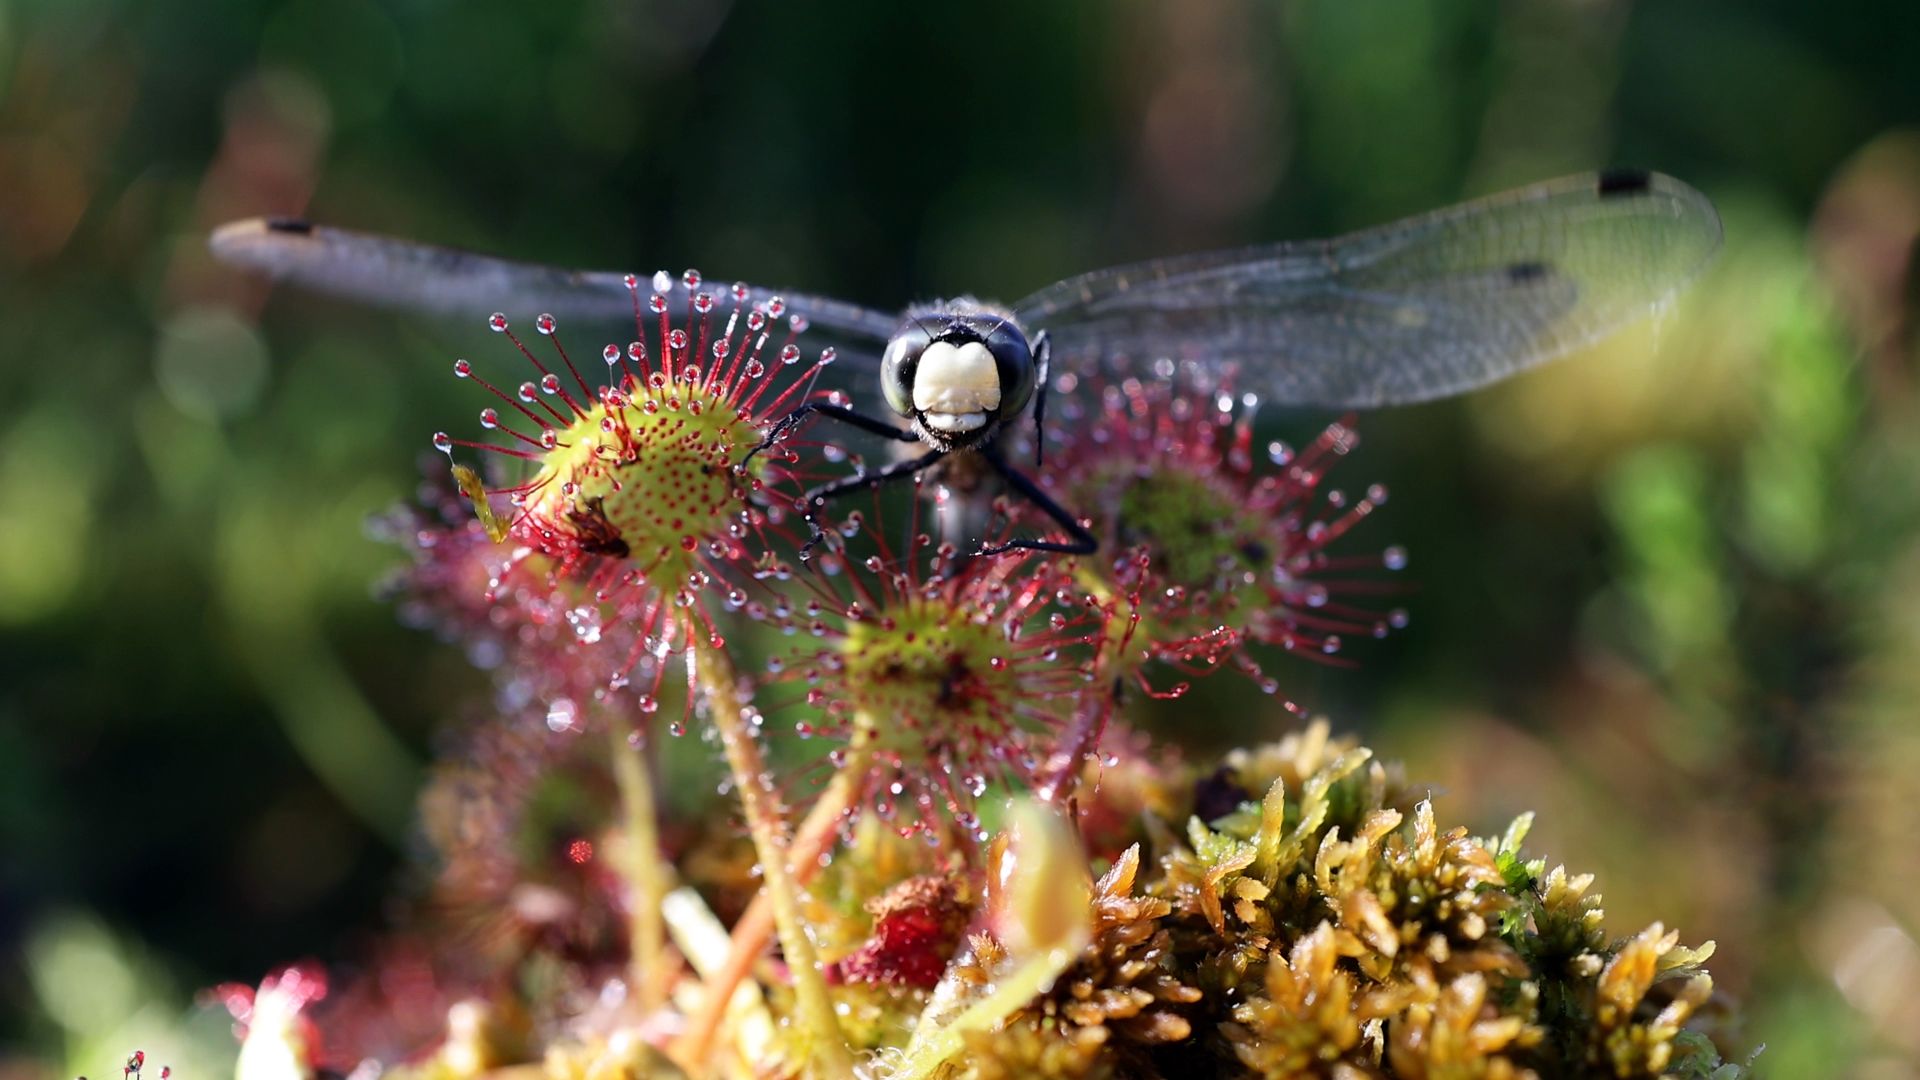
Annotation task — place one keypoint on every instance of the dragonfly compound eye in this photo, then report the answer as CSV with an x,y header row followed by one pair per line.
x,y
1013,359
900,364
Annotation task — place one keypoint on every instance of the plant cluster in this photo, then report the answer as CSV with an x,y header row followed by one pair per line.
x,y
958,860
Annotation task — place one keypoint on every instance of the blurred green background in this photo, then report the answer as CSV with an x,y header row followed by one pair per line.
x,y
1668,591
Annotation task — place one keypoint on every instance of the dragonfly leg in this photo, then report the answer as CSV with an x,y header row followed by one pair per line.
x,y
794,419
1043,364
817,498
1082,542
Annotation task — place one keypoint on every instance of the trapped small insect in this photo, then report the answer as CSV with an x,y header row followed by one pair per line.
x,y
1424,308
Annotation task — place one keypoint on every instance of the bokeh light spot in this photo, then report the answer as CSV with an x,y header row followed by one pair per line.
x,y
47,518
209,364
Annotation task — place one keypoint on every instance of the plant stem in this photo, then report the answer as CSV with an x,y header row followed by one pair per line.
x,y
646,874
750,933
1062,775
823,1044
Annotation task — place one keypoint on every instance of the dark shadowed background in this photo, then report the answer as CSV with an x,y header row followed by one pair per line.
x,y
1667,590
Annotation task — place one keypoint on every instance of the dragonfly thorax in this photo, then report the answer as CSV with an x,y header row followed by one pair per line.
x,y
958,370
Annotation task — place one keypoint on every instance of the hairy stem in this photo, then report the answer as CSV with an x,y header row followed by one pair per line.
x,y
750,933
1062,776
648,878
823,1044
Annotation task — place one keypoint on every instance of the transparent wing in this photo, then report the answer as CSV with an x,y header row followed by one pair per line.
x,y
1419,309
390,272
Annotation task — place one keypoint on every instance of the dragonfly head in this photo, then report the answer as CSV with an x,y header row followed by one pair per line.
x,y
957,372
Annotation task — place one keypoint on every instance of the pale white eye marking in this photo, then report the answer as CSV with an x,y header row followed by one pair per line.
x,y
958,382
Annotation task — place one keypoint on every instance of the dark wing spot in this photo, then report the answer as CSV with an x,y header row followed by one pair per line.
x,y
1616,182
1526,273
289,225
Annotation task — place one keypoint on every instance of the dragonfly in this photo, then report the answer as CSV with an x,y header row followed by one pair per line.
x,y
1424,308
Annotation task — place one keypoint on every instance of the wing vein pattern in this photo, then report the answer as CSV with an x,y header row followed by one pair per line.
x,y
1419,309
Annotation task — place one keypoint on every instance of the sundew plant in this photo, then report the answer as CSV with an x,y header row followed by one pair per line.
x,y
946,851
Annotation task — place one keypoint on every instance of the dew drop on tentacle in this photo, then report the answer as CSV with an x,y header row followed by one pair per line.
x,y
1394,558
